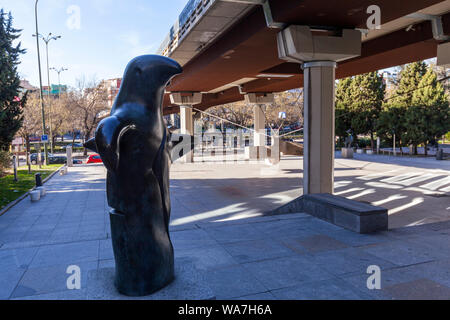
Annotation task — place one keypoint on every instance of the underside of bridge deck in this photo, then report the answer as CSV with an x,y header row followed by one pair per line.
x,y
245,52
265,46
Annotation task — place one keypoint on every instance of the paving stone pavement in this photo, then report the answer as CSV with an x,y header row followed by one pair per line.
x,y
245,256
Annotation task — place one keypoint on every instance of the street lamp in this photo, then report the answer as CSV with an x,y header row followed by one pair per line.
x,y
59,80
40,85
47,40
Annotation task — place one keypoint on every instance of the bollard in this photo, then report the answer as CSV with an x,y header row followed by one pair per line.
x,y
440,154
35,195
69,156
38,179
15,168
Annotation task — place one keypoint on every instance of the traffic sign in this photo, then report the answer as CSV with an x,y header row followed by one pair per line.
x,y
44,138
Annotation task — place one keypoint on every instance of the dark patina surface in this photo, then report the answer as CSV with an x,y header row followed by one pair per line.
x,y
133,143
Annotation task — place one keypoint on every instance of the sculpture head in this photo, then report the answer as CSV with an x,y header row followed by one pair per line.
x,y
145,78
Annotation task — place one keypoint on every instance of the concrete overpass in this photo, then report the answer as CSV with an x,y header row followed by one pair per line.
x,y
236,49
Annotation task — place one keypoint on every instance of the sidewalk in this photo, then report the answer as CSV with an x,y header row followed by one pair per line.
x,y
406,160
243,255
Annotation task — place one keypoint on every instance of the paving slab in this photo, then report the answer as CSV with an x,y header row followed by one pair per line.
x,y
256,250
286,228
320,243
16,258
8,281
50,279
208,258
348,260
258,296
404,252
66,253
285,272
421,289
223,232
332,289
233,282
235,233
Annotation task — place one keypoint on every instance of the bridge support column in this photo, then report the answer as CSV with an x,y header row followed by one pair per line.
x,y
186,101
258,150
318,55
318,129
259,120
187,128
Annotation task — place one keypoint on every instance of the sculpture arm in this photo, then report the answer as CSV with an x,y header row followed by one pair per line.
x,y
90,144
106,137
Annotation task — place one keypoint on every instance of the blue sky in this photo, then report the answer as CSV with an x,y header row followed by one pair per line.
x,y
108,35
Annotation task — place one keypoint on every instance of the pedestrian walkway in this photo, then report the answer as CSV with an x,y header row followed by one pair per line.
x,y
242,253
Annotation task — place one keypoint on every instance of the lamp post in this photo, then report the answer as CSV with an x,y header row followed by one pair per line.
x,y
59,80
47,39
40,84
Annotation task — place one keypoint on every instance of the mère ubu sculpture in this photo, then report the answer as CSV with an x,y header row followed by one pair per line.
x,y
134,145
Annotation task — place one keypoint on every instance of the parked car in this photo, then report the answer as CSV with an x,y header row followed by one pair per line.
x,y
34,157
57,159
53,159
94,158
73,145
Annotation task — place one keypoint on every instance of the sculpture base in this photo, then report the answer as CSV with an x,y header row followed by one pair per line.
x,y
143,255
189,284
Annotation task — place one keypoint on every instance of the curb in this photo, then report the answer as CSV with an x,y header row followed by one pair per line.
x,y
14,202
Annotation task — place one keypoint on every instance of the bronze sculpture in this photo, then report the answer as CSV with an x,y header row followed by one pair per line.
x,y
134,145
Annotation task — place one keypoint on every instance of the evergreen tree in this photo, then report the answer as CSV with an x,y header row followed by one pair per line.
x,y
391,122
428,118
343,93
366,96
343,115
410,77
408,82
10,109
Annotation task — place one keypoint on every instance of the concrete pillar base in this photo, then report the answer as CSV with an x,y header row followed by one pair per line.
x,y
187,128
256,152
259,121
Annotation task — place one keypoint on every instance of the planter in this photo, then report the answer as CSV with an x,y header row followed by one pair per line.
x,y
41,190
347,153
35,195
63,171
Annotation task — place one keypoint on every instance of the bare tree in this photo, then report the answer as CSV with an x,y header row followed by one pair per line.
x,y
235,113
86,104
32,121
290,102
60,115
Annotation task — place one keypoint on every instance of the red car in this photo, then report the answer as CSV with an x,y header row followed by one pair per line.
x,y
94,158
